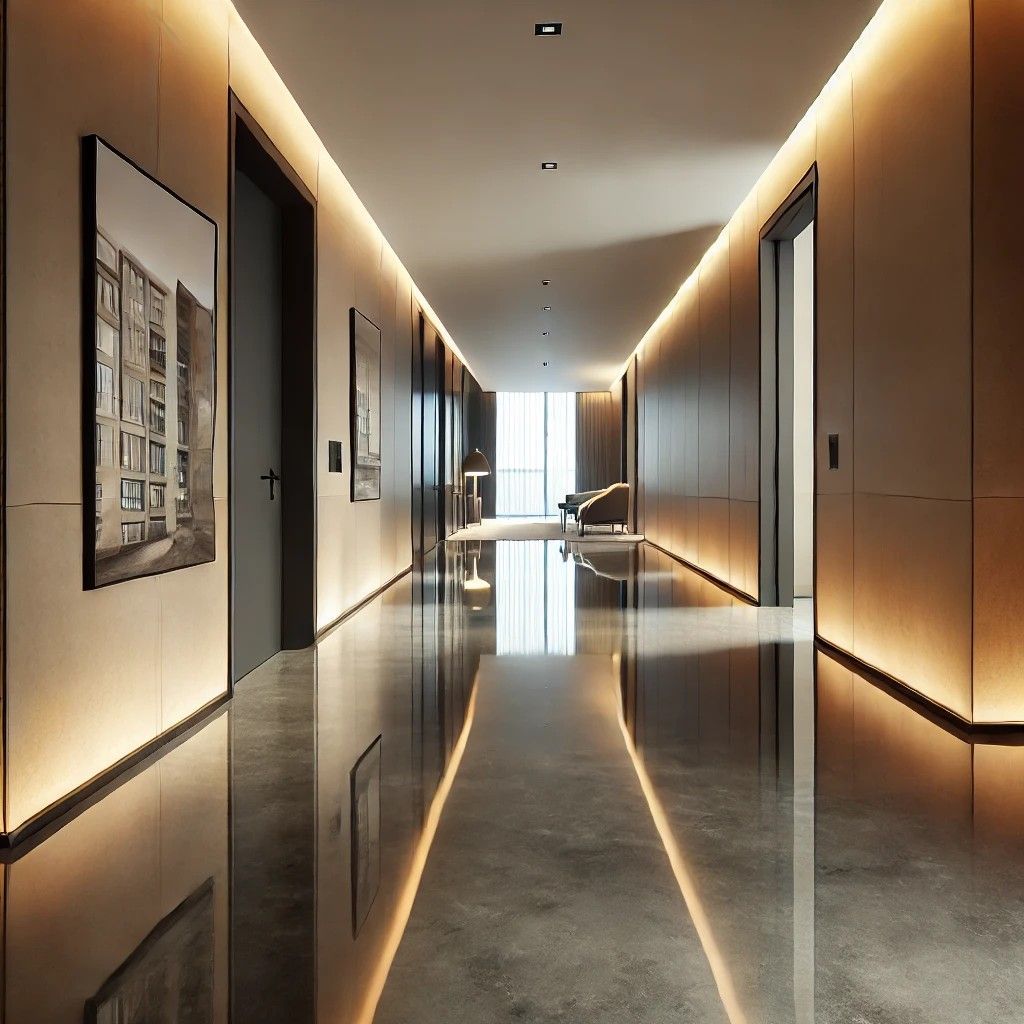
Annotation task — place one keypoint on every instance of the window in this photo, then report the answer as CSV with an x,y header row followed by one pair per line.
x,y
157,495
135,325
132,533
157,351
106,338
131,495
132,402
157,459
157,406
157,303
536,452
108,298
131,453
104,444
157,528
104,389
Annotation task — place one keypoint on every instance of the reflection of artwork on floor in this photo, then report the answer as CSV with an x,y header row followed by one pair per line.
x,y
365,833
365,408
168,979
149,391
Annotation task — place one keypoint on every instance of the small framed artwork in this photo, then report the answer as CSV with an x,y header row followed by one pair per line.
x,y
365,783
365,410
149,374
169,975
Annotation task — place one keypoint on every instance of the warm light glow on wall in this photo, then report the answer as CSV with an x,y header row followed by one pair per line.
x,y
860,48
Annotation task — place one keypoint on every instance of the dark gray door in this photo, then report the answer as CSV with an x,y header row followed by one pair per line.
x,y
256,414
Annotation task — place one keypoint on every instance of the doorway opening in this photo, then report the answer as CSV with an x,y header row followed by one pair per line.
x,y
788,345
272,401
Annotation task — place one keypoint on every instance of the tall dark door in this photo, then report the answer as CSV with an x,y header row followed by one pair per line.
x,y
256,413
431,440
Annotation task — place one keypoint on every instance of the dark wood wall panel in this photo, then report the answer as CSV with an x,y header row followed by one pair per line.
x,y
598,440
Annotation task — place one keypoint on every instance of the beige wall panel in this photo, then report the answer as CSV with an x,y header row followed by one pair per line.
x,y
713,530
194,632
834,268
714,373
264,95
785,172
911,110
833,585
690,342
54,97
744,356
998,609
743,551
998,234
193,155
915,624
83,668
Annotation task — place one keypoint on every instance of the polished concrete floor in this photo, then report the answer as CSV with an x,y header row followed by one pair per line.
x,y
540,783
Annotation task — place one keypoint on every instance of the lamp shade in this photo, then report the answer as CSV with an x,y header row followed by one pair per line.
x,y
475,464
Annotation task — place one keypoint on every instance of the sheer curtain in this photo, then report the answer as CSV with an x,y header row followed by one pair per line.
x,y
536,452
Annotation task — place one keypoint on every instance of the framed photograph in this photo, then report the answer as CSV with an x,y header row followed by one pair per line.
x,y
168,979
365,783
149,374
365,409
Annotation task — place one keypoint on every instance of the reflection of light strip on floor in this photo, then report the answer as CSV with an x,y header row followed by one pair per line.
x,y
719,968
407,896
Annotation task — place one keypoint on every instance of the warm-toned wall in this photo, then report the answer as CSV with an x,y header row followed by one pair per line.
x,y
91,676
914,519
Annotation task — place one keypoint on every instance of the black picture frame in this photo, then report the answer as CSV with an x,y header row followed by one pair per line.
x,y
94,575
365,466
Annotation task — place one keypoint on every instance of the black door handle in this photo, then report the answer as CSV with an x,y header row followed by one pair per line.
x,y
273,478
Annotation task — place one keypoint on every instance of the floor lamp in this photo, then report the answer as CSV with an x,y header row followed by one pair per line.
x,y
476,466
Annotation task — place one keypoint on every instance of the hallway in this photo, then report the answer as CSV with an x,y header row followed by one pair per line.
x,y
603,792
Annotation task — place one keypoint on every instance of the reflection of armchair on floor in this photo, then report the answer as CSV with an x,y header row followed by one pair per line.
x,y
609,508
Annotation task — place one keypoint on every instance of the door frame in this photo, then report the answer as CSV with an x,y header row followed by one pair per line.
x,y
799,210
264,163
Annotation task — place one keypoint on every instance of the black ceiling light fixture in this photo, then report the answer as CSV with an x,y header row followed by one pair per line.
x,y
544,333
547,309
545,364
549,165
547,28
545,282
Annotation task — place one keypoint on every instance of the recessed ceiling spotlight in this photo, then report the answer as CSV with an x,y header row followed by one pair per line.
x,y
545,282
549,165
547,28
544,334
547,309
545,364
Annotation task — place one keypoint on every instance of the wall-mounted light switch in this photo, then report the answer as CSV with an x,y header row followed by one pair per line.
x,y
334,456
833,451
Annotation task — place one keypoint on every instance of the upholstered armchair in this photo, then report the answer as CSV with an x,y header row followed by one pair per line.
x,y
571,505
609,508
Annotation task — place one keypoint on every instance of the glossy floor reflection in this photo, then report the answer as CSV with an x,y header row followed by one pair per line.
x,y
545,783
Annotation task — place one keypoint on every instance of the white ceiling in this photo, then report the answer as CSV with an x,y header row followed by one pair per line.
x,y
661,114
